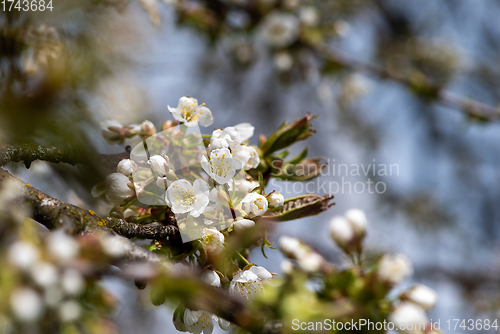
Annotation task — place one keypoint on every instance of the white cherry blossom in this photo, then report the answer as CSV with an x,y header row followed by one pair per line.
x,y
185,197
190,113
254,204
246,155
222,138
242,185
249,282
212,241
222,166
197,322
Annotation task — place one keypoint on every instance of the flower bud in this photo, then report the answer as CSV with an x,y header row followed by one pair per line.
x,y
117,189
394,268
243,224
422,295
286,267
126,167
22,254
112,131
341,231
147,127
62,246
69,311
409,315
358,220
276,200
26,304
159,165
289,246
254,204
311,262
210,277
349,230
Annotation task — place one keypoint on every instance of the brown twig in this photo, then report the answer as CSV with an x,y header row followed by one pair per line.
x,y
418,83
27,153
54,213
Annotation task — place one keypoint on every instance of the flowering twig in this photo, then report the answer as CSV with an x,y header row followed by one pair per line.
x,y
418,83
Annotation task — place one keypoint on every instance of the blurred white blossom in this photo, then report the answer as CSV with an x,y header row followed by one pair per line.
x,y
26,304
249,282
394,268
279,29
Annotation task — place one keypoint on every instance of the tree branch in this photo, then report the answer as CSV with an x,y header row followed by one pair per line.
x,y
418,83
27,153
53,213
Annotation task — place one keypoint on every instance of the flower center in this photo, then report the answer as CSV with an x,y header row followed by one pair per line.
x,y
186,197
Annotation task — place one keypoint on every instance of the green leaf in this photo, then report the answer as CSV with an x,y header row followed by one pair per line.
x,y
298,158
300,207
288,134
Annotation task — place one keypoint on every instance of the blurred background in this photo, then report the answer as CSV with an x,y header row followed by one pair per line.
x,y
65,71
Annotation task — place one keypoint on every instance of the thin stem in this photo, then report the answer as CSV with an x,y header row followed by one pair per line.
x,y
243,258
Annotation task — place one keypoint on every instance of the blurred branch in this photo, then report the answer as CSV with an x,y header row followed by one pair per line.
x,y
27,153
53,213
417,82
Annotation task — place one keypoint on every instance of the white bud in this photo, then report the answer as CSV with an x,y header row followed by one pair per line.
x,y
26,304
73,282
292,247
148,127
310,262
289,245
423,296
22,254
276,200
341,231
254,204
62,246
409,315
286,267
44,274
125,167
394,268
309,16
113,246
358,220
117,189
243,224
159,165
210,277
109,131
69,311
